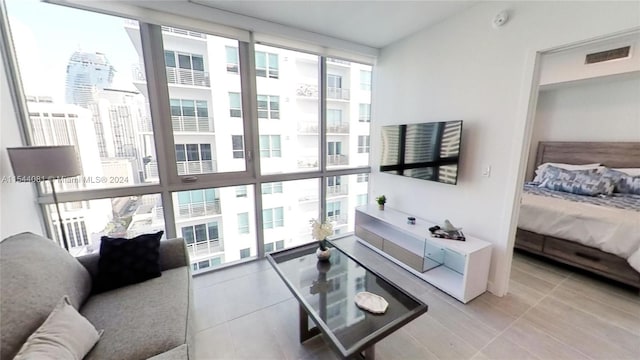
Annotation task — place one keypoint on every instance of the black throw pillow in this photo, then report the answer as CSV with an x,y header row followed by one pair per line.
x,y
127,261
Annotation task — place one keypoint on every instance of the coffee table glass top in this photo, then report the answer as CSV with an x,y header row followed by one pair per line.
x,y
327,290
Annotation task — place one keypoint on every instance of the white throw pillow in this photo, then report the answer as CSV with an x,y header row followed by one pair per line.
x,y
540,169
64,335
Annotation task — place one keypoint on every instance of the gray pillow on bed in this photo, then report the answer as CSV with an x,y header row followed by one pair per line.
x,y
624,183
556,173
590,185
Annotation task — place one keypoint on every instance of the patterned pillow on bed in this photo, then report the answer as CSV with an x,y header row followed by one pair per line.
x,y
624,183
581,184
556,173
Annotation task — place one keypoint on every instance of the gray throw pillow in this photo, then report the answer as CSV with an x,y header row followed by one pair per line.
x,y
64,335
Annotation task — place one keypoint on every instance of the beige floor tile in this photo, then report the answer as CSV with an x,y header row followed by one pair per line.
x,y
429,333
545,264
488,313
514,303
473,331
501,348
539,343
594,337
543,271
531,281
253,338
214,343
622,298
628,320
401,345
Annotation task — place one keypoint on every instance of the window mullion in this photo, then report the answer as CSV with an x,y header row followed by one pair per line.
x,y
323,136
246,53
153,54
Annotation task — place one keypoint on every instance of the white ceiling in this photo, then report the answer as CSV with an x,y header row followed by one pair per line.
x,y
372,23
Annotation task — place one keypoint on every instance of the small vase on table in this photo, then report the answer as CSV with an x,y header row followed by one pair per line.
x,y
319,232
323,252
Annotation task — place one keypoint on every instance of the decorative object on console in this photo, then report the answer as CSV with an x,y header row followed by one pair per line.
x,y
447,231
411,220
381,200
39,163
372,303
319,232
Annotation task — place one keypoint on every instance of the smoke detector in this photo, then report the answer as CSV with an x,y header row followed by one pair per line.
x,y
500,19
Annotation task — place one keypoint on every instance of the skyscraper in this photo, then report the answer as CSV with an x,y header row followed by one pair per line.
x,y
64,124
87,72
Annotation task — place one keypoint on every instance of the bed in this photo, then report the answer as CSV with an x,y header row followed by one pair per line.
x,y
597,234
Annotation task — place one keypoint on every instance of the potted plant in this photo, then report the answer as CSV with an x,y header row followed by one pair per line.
x,y
381,200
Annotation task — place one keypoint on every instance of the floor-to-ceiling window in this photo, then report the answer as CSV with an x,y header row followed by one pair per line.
x,y
234,159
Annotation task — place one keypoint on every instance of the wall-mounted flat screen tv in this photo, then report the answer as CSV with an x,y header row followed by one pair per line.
x,y
427,151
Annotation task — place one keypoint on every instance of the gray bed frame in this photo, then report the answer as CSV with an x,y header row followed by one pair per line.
x,y
610,154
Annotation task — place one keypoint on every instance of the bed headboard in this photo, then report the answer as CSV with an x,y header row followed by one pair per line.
x,y
610,154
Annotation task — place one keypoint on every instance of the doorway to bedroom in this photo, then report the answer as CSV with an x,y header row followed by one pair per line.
x,y
581,197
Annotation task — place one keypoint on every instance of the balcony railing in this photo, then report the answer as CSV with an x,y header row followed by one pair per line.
x,y
204,248
311,91
199,209
158,213
338,219
339,128
307,90
192,123
145,124
187,77
338,159
173,30
308,127
337,190
151,170
337,93
308,162
311,127
196,167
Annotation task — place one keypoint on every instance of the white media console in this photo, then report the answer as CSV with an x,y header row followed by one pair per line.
x,y
459,268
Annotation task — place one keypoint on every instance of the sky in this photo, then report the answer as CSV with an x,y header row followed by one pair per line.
x,y
46,35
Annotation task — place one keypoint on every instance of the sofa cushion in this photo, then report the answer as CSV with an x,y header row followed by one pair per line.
x,y
141,320
128,261
64,335
35,274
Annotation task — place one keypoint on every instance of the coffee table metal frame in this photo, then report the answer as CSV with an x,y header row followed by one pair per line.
x,y
363,348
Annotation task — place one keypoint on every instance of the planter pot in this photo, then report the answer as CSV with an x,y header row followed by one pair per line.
x,y
381,206
323,255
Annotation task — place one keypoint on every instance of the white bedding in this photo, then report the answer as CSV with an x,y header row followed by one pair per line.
x,y
615,231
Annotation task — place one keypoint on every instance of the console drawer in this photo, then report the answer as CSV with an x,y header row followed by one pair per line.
x,y
369,237
589,258
403,255
529,241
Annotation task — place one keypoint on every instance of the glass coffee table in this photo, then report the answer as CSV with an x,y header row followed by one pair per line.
x,y
325,291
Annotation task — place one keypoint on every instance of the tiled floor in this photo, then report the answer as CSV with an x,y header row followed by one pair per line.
x,y
246,312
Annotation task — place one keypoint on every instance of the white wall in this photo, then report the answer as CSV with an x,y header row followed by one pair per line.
x,y
19,211
605,109
464,69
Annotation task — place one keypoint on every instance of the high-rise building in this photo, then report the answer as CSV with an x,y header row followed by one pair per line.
x,y
65,124
86,73
207,120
